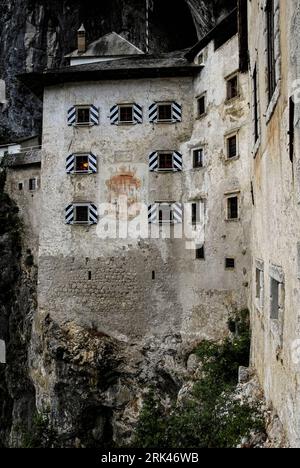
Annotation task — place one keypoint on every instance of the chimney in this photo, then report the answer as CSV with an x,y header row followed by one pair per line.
x,y
81,39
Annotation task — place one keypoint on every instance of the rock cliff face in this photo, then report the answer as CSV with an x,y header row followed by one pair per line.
x,y
17,305
35,34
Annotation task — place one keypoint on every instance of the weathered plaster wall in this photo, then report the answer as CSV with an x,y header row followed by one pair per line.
x,y
119,268
187,295
275,228
220,176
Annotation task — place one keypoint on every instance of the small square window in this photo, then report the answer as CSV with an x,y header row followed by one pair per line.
x,y
200,252
83,115
229,263
81,214
232,147
82,163
201,105
164,112
232,87
32,185
20,186
126,114
198,158
232,208
165,161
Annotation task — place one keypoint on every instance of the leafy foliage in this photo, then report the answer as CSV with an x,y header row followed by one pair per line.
x,y
42,434
211,417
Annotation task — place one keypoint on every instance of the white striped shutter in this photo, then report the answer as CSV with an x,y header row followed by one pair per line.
x,y
93,214
92,163
114,115
70,164
72,116
94,115
176,112
153,161
177,209
153,113
137,114
177,161
152,213
69,217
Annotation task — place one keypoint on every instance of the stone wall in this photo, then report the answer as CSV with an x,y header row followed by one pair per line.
x,y
275,226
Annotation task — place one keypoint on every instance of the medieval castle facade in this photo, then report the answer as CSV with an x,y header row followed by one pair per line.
x,y
166,194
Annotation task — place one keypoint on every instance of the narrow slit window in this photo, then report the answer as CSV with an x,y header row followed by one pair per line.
x,y
195,213
232,208
20,186
270,12
200,252
291,129
232,147
255,104
198,158
201,105
32,185
232,87
274,299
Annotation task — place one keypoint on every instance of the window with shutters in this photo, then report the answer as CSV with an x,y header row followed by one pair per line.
x,y
232,207
198,158
126,114
83,115
229,263
232,87
165,213
200,252
82,163
165,161
81,213
32,185
164,112
201,105
231,147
